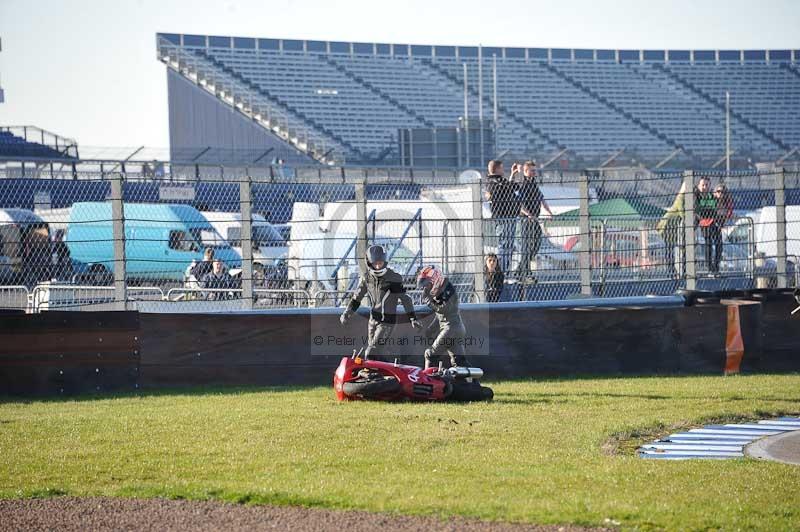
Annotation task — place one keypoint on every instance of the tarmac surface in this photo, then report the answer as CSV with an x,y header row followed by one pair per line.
x,y
781,448
101,514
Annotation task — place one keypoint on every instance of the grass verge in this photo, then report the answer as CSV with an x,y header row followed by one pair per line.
x,y
543,452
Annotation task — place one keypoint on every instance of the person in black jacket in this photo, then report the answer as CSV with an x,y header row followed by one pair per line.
x,y
503,195
218,279
531,203
384,288
205,266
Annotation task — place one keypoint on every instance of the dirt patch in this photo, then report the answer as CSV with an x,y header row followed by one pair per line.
x,y
100,513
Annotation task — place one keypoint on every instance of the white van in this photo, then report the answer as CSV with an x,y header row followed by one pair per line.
x,y
765,232
268,245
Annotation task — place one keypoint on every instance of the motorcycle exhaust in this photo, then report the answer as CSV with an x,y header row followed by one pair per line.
x,y
466,373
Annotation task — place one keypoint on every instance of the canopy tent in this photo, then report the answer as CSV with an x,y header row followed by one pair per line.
x,y
618,212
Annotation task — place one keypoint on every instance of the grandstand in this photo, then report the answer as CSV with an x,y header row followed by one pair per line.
x,y
30,142
341,102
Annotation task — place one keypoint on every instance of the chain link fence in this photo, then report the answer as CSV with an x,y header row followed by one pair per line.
x,y
201,239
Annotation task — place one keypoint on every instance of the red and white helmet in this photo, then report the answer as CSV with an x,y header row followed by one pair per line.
x,y
431,280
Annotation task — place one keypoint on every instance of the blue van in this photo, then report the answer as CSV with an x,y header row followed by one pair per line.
x,y
161,240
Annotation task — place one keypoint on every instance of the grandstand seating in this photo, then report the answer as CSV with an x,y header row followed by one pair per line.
x,y
13,146
592,103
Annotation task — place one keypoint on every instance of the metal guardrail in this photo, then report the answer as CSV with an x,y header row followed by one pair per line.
x,y
263,297
15,297
76,297
45,297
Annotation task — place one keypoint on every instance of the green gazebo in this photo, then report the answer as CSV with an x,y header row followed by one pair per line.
x,y
617,212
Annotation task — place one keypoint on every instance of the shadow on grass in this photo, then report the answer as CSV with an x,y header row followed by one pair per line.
x,y
530,398
147,393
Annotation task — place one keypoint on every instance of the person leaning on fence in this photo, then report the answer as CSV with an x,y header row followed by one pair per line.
x,y
493,278
504,199
706,217
383,288
218,280
531,203
669,227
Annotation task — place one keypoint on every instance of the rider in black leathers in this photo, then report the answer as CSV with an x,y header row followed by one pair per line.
x,y
383,288
441,296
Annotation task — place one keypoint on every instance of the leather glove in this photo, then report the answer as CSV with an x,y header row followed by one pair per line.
x,y
415,323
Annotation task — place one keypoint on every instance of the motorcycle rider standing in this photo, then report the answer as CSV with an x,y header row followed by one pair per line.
x,y
384,288
441,296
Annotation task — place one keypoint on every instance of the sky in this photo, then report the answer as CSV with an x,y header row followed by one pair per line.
x,y
87,69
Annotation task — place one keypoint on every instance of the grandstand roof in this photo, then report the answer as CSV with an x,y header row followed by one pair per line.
x,y
427,50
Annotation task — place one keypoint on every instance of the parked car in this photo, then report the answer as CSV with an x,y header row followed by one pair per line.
x,y
623,249
160,240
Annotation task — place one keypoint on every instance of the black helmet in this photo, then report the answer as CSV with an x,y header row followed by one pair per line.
x,y
376,254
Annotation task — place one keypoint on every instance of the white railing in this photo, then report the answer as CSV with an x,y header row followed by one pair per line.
x,y
72,297
16,297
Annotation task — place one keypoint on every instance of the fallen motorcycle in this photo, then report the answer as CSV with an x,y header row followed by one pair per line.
x,y
357,378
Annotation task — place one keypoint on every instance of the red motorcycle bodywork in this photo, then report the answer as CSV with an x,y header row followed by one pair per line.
x,y
415,383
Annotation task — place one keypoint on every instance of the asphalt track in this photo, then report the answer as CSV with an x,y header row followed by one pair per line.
x,y
781,448
107,514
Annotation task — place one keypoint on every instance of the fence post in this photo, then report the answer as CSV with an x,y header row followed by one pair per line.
x,y
245,207
361,223
477,240
688,230
780,226
118,233
585,253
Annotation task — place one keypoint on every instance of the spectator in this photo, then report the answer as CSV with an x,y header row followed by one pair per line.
x,y
531,203
204,267
706,216
502,194
669,227
62,263
493,278
218,279
724,205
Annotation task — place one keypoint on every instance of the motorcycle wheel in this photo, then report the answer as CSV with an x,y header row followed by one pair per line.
x,y
471,391
371,387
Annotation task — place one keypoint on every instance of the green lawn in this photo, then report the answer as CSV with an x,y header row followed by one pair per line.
x,y
542,452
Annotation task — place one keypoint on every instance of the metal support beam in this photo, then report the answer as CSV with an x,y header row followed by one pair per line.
x,y
245,208
689,232
787,155
361,223
723,159
668,158
780,226
477,240
584,255
612,158
553,159
118,234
